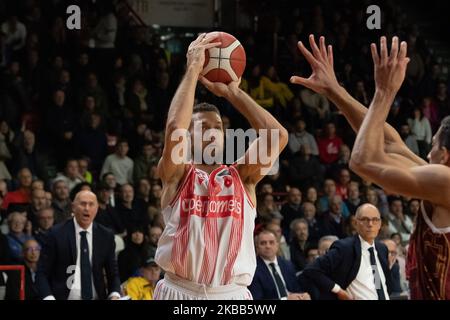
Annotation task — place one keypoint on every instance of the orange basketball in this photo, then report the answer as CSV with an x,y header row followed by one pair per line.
x,y
225,63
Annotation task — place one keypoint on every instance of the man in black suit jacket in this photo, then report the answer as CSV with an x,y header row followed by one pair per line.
x,y
291,210
274,276
355,267
77,257
332,221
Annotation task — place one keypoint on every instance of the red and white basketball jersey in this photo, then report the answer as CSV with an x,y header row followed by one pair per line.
x,y
208,237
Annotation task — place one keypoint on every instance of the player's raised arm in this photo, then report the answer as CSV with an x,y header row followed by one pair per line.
x,y
180,112
369,158
323,81
270,144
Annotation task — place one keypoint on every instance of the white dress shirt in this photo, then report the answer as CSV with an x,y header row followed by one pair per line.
x,y
75,291
277,267
112,200
363,286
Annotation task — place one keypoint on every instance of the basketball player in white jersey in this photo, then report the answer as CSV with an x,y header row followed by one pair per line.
x,y
381,156
207,248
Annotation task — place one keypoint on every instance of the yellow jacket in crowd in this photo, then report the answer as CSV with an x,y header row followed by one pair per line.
x,y
139,288
267,92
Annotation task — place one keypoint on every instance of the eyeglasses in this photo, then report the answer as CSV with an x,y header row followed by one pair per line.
x,y
366,220
393,253
31,249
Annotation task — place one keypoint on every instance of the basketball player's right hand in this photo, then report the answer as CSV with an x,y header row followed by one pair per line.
x,y
390,68
221,89
323,79
196,51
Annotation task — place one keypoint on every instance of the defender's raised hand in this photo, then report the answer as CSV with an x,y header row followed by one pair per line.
x,y
390,68
196,51
323,78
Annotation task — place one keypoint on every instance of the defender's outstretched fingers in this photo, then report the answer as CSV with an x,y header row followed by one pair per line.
x,y
330,56
314,47
323,48
383,51
394,49
403,50
375,56
307,54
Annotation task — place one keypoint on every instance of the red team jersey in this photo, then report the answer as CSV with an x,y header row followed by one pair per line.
x,y
208,237
428,263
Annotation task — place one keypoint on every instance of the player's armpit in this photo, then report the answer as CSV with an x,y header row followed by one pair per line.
x,y
428,182
401,151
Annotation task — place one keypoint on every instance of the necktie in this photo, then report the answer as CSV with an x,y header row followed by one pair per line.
x,y
86,272
376,275
279,283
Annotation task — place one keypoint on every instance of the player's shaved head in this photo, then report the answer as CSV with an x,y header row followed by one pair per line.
x,y
205,107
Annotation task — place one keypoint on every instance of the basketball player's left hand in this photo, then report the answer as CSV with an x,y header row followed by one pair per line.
x,y
221,89
390,69
323,79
